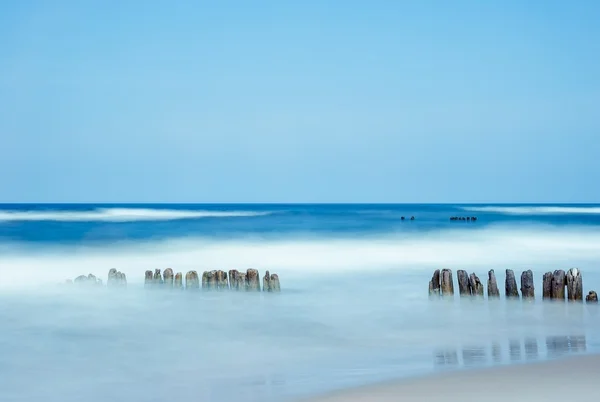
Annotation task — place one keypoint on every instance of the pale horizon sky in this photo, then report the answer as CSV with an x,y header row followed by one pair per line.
x,y
313,101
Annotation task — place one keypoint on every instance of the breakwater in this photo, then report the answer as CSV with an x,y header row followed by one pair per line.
x,y
248,281
555,285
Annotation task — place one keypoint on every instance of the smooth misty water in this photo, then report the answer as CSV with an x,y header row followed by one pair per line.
x,y
353,308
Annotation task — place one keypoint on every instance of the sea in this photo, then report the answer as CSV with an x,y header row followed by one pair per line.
x,y
353,309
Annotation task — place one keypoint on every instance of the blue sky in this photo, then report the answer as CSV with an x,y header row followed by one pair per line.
x,y
299,101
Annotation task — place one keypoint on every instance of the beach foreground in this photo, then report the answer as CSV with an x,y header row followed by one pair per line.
x,y
556,380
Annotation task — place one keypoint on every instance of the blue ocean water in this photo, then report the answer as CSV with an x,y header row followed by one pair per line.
x,y
354,307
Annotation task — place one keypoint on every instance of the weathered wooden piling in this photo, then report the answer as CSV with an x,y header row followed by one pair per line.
x,y
116,279
209,280
462,277
475,285
237,280
221,280
592,297
191,281
510,286
547,286
492,285
527,286
446,283
434,284
253,279
271,283
178,282
157,278
87,280
168,278
148,281
574,285
559,282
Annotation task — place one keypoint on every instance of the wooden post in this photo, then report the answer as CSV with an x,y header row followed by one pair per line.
x,y
446,283
559,281
168,278
547,286
592,297
275,286
253,279
462,277
527,287
221,278
148,279
191,281
157,279
178,281
434,284
574,285
493,291
475,285
237,280
510,286
112,280
209,280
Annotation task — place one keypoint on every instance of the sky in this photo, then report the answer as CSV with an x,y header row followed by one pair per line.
x,y
299,101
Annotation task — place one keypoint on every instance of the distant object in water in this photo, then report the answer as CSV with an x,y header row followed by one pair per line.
x,y
248,281
592,297
412,218
401,218
463,218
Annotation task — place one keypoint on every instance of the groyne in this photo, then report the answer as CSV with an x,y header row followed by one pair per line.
x,y
218,280
556,286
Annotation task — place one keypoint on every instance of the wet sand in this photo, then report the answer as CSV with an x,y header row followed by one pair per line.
x,y
555,380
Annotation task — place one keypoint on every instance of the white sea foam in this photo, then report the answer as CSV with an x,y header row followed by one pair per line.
x,y
121,215
321,333
481,249
538,210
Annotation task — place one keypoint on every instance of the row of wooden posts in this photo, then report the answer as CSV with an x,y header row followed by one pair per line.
x,y
248,281
553,285
214,280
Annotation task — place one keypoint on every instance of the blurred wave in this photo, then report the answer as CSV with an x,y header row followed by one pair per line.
x,y
538,210
121,215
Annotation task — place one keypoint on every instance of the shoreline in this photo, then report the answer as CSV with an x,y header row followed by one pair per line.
x,y
551,380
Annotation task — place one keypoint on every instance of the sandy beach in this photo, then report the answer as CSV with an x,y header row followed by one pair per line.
x,y
556,380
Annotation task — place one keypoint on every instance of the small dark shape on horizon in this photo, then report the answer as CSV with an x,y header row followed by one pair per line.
x,y
412,218
402,218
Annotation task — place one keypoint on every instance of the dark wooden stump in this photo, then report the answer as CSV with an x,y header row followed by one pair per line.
x,y
464,288
446,283
157,279
475,285
510,286
209,280
113,280
191,281
178,283
527,286
434,284
574,285
237,280
221,278
148,279
547,286
253,279
592,297
493,291
275,286
559,282
168,278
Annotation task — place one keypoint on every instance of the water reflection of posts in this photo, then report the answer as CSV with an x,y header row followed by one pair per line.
x,y
478,355
446,358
